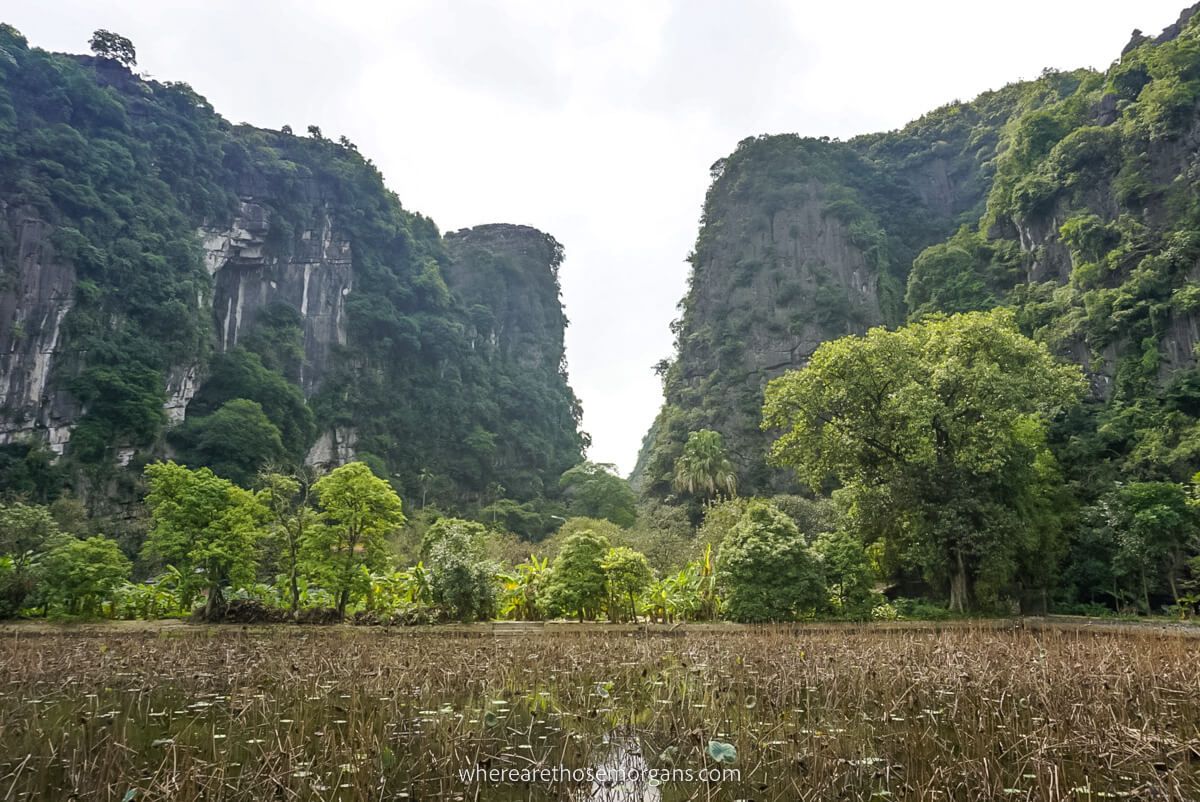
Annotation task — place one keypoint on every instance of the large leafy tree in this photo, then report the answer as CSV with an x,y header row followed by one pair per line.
x,y
235,441
703,469
594,490
241,374
847,571
109,45
1156,531
628,575
206,527
292,522
25,530
360,510
766,570
461,578
937,432
577,582
458,529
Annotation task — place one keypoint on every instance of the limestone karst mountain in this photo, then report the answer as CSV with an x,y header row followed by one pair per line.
x,y
176,284
1072,198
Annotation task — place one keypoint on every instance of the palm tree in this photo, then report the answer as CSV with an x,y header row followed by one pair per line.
x,y
425,479
704,469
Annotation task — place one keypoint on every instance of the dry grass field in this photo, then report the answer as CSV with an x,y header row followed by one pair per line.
x,y
857,714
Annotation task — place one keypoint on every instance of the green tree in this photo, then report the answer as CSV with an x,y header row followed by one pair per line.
x,y
25,530
847,570
28,470
1090,571
577,583
206,527
1156,532
109,45
552,546
960,275
594,490
360,510
765,569
459,529
937,433
461,578
628,574
667,547
720,517
77,575
292,523
235,441
703,469
242,374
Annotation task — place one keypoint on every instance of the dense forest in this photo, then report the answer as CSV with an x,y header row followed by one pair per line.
x,y
944,370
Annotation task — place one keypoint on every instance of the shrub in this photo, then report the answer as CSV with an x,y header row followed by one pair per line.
x,y
765,569
461,579
78,575
920,610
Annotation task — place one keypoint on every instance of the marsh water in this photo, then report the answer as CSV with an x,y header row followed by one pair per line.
x,y
338,714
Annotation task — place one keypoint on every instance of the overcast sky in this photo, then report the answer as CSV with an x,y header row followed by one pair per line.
x,y
593,121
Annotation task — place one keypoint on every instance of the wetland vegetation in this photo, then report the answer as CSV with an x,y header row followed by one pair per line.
x,y
964,713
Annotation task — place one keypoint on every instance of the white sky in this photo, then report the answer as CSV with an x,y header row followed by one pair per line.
x,y
594,121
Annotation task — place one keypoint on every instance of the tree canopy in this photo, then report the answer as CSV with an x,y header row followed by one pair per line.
x,y
938,432
359,510
206,527
765,569
577,584
594,490
704,469
109,45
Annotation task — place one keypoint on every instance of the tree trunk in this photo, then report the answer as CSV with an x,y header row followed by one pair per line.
x,y
1145,592
295,584
343,600
958,584
212,603
295,595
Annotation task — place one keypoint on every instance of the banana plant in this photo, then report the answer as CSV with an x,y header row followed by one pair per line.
x,y
157,598
520,589
676,597
397,590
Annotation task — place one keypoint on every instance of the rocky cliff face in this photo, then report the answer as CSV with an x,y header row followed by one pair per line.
x,y
1070,198
507,278
38,292
314,275
802,241
144,240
